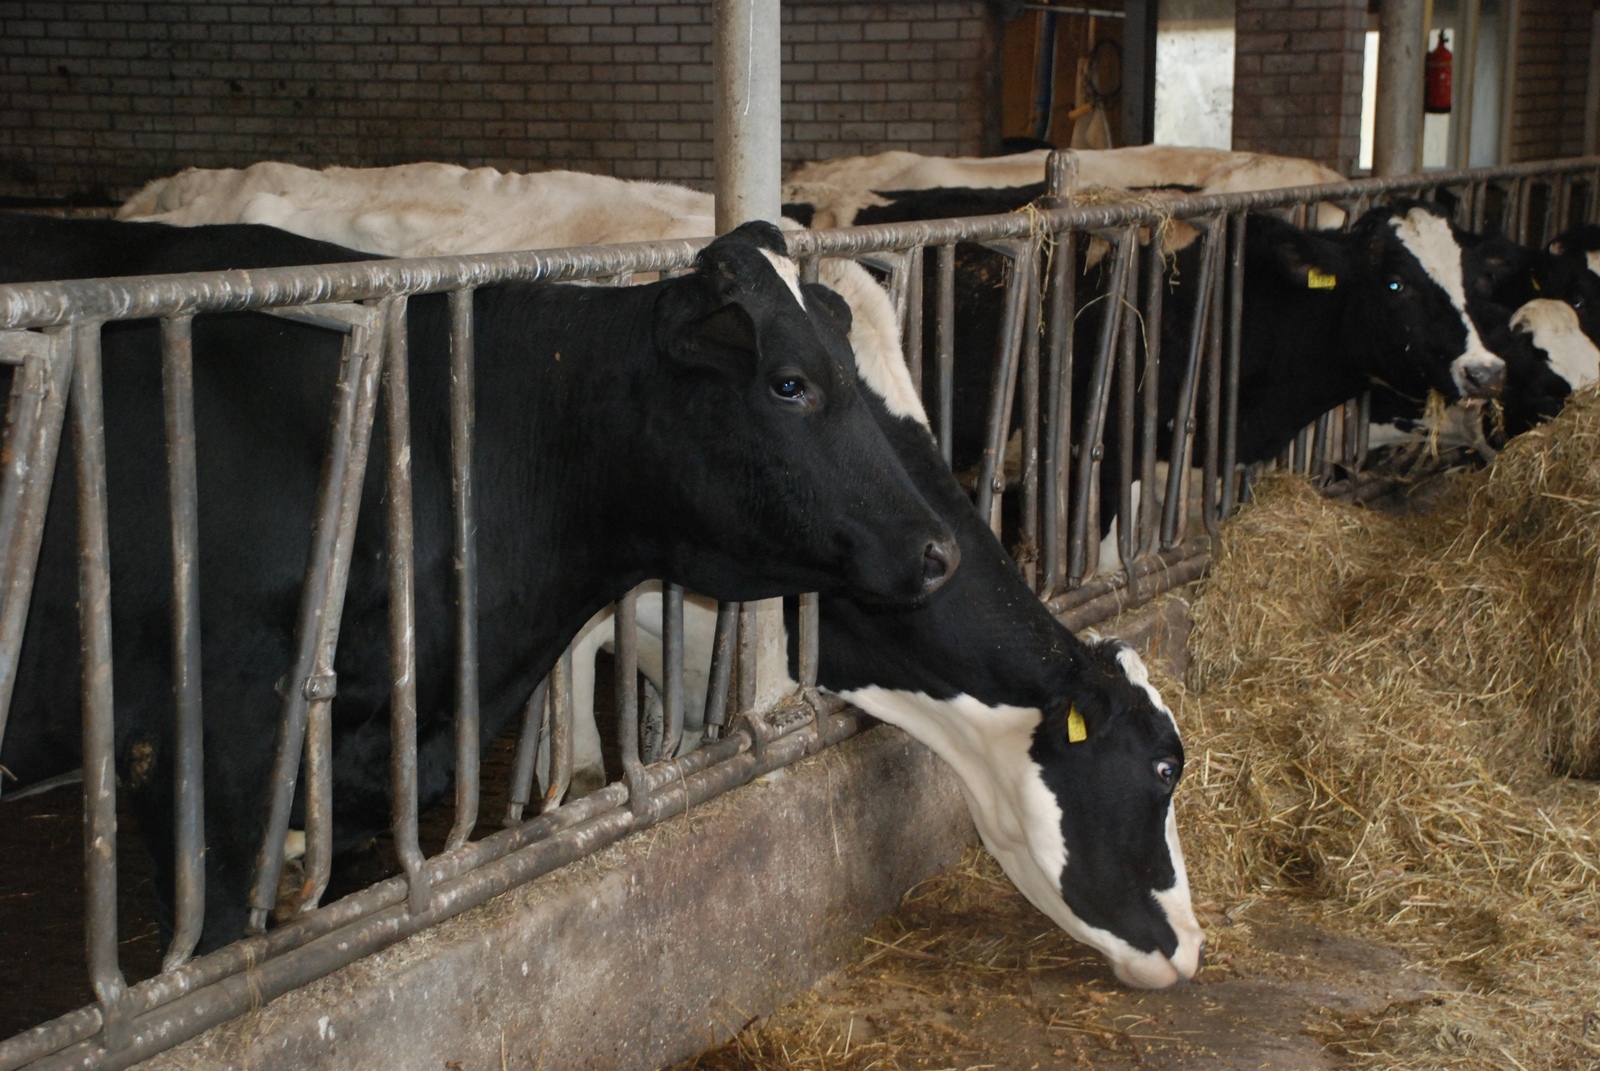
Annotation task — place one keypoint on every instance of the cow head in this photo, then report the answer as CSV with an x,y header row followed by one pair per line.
x,y
1548,357
1571,273
792,479
1408,311
1102,853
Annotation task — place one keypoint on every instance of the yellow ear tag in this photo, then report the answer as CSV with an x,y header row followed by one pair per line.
x,y
1320,280
1077,732
1536,286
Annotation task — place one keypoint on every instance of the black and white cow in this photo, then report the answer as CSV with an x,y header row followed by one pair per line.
x,y
1537,309
1326,315
1329,314
1066,753
709,429
1569,271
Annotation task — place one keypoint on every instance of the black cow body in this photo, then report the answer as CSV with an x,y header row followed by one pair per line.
x,y
706,429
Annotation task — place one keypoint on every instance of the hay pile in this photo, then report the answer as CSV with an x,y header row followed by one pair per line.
x,y
1381,710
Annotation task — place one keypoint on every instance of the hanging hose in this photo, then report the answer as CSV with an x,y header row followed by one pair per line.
x,y
1044,77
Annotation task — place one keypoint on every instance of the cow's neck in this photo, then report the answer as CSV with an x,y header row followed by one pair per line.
x,y
1293,368
557,548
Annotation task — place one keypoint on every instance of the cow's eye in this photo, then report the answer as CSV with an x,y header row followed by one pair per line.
x,y
1167,771
1396,285
1576,302
791,388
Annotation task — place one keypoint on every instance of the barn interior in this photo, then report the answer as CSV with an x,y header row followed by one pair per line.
x,y
1383,678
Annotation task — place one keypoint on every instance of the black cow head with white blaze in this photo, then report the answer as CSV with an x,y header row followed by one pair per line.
x,y
1103,841
1067,756
1411,306
791,465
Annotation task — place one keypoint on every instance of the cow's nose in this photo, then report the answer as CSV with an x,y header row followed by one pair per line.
x,y
939,560
1485,380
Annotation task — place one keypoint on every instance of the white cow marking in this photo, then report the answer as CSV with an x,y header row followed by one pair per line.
x,y
1593,257
1429,238
787,272
1555,330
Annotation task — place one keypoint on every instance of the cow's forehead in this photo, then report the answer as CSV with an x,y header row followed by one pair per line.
x,y
1138,675
788,272
1430,240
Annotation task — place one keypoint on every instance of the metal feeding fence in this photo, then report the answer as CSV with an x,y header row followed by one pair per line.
x,y
1048,508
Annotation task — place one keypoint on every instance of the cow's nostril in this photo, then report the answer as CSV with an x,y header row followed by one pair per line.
x,y
1200,957
939,560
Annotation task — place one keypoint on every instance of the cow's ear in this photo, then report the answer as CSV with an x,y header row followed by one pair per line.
x,y
1309,261
826,302
723,340
1073,720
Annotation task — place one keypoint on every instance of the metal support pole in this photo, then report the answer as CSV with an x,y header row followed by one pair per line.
x,y
1402,39
1139,72
745,126
746,134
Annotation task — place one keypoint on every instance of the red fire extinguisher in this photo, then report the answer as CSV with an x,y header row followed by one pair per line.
x,y
1437,97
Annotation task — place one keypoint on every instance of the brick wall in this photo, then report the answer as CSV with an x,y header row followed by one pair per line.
x,y
101,96
1297,79
1551,78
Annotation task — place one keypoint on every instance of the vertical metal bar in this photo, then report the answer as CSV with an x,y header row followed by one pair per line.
x,y
34,419
1302,451
1363,428
1175,514
1127,526
810,604
94,607
1091,443
402,606
914,259
1030,430
1235,335
946,341
1209,498
177,382
1321,464
722,659
1155,290
672,670
627,693
1003,385
310,681
560,717
747,657
520,790
1351,413
1058,445
462,409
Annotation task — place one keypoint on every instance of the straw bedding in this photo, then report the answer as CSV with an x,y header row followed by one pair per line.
x,y
1384,711
1391,719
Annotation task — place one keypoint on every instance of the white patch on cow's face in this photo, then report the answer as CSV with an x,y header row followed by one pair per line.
x,y
787,272
1429,238
1555,330
1593,257
875,337
1019,818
